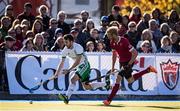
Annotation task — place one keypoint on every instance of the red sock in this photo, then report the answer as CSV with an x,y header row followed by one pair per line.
x,y
113,92
139,74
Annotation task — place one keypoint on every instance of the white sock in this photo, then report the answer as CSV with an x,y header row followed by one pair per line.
x,y
70,90
96,85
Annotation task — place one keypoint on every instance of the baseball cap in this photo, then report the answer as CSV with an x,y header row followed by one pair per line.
x,y
9,38
74,30
105,18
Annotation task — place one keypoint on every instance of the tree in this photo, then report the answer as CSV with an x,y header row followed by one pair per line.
x,y
148,5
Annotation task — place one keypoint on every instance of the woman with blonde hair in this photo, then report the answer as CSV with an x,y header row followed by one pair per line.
x,y
145,47
37,26
39,43
175,40
147,35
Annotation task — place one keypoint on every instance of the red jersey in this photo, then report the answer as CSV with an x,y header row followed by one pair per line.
x,y
123,48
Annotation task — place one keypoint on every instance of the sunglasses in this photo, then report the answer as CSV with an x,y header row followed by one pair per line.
x,y
146,46
104,21
132,26
54,23
10,9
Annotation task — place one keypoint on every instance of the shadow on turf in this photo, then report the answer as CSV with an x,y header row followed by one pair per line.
x,y
119,105
163,107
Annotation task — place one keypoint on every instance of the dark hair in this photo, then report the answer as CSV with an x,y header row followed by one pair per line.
x,y
28,4
28,40
116,8
68,37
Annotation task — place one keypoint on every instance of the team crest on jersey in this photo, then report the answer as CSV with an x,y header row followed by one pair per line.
x,y
170,73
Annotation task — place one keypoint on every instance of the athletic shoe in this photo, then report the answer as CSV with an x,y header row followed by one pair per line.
x,y
152,69
64,98
106,102
107,79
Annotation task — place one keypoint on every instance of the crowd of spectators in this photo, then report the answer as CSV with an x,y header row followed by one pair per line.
x,y
148,33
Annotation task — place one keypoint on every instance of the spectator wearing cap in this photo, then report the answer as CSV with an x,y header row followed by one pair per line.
x,y
115,16
104,25
43,14
74,32
58,45
78,24
61,16
27,14
58,33
7,45
18,44
84,17
78,38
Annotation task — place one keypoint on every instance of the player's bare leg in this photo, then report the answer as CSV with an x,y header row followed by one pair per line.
x,y
70,90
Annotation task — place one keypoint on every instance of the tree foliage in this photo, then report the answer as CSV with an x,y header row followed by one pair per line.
x,y
148,5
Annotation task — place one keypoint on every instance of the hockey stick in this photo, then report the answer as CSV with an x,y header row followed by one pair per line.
x,y
31,90
116,71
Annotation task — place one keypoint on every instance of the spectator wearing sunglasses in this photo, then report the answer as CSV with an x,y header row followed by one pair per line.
x,y
145,47
132,34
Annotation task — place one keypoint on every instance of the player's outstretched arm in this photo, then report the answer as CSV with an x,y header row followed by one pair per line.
x,y
59,68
